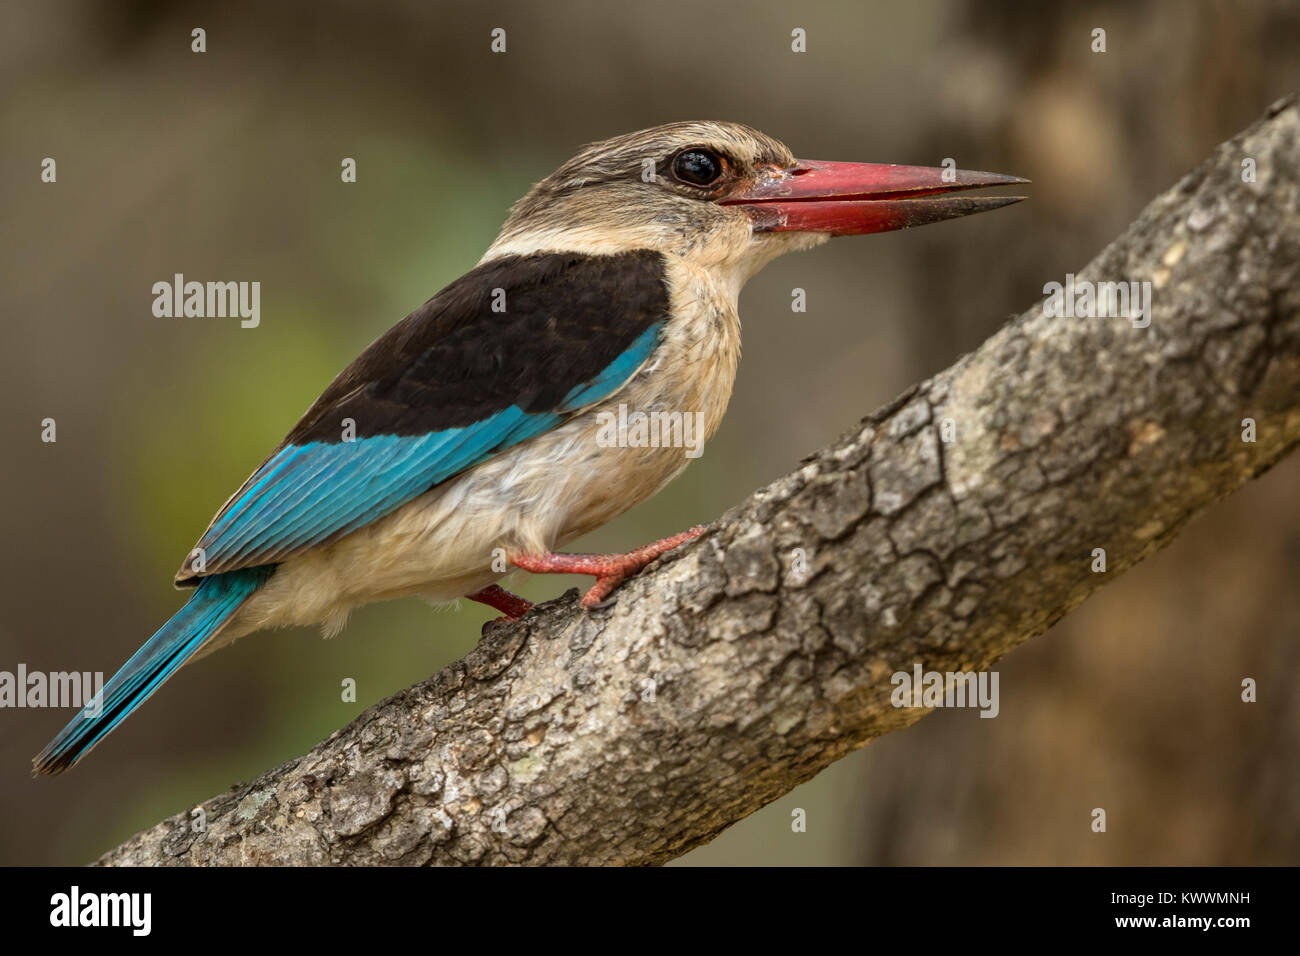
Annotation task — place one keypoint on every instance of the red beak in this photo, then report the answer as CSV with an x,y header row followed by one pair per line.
x,y
849,199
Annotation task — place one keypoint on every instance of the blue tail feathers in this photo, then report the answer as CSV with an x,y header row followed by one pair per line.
x,y
213,603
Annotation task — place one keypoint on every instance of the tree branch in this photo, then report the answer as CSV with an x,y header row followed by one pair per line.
x,y
544,746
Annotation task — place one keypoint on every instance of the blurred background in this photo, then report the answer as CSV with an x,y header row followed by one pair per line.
x,y
225,166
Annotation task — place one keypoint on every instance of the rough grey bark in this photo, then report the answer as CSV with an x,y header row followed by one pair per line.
x,y
544,746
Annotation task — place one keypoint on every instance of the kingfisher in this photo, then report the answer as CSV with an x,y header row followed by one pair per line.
x,y
476,429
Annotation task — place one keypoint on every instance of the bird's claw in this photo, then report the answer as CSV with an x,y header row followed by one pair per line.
x,y
609,570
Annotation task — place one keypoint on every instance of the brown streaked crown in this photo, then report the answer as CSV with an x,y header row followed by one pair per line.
x,y
621,159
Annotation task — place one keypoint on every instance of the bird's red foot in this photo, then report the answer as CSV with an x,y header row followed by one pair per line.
x,y
512,605
610,570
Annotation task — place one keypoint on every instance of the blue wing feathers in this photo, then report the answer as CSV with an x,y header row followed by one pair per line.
x,y
305,495
617,372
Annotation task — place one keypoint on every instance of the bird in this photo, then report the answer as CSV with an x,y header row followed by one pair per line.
x,y
471,430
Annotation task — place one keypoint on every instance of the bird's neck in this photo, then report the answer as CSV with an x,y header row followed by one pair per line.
x,y
699,353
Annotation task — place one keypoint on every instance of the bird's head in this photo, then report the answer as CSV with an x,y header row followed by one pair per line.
x,y
727,198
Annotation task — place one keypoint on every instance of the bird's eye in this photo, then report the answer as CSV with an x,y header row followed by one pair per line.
x,y
698,167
